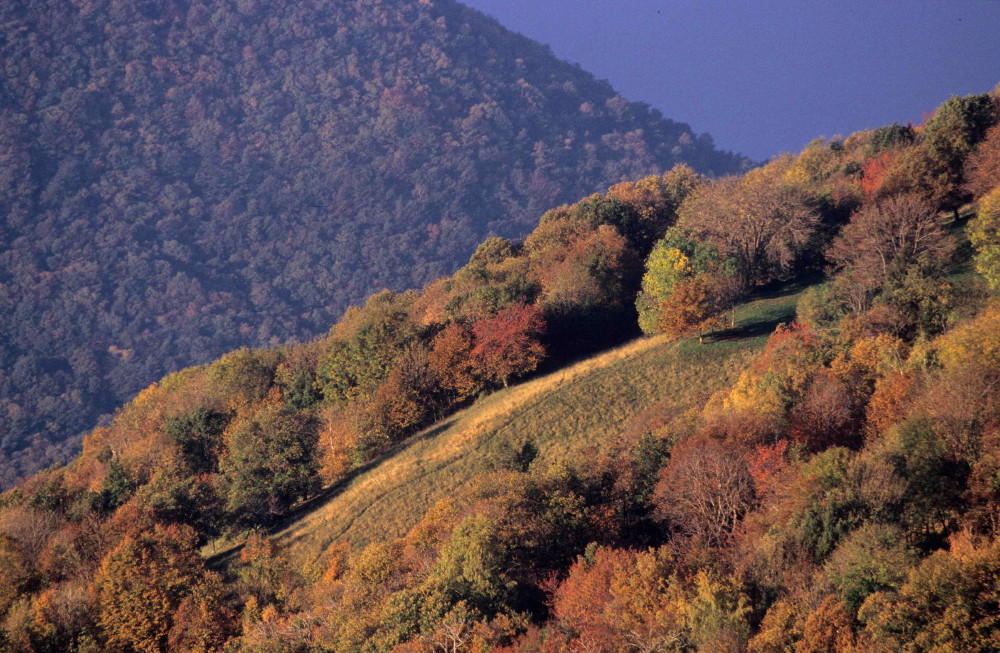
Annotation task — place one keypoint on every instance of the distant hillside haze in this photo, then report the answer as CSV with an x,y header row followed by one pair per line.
x,y
182,178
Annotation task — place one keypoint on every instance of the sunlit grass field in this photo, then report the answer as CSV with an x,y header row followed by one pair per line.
x,y
579,408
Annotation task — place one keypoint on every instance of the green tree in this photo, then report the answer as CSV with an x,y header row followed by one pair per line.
x,y
199,436
890,137
598,210
934,479
356,362
269,463
473,565
247,373
116,488
873,558
956,127
301,391
676,259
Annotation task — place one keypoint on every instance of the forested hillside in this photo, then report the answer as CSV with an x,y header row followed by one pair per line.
x,y
804,455
180,178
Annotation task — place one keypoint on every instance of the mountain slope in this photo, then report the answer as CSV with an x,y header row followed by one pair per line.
x,y
181,178
827,482
578,410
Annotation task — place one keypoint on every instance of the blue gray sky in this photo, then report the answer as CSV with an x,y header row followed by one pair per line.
x,y
763,76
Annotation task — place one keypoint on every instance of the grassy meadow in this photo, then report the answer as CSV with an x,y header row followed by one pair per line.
x,y
577,409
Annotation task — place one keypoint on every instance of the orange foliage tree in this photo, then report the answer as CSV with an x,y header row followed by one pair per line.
x,y
694,306
982,168
450,361
142,583
875,172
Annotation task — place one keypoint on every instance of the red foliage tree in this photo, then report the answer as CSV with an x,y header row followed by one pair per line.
x,y
509,344
766,463
823,417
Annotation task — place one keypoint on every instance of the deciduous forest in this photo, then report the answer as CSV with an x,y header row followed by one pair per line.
x,y
182,178
826,477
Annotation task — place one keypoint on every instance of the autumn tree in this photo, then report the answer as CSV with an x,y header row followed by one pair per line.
x,y
403,402
875,173
962,400
656,199
948,602
17,572
261,570
756,408
705,489
690,308
889,236
63,617
615,599
827,628
716,616
889,402
896,246
984,232
141,584
509,344
492,250
579,601
592,274
685,285
982,167
450,361
763,224
482,289
203,622
825,415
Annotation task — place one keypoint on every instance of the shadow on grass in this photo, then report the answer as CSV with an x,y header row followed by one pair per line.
x,y
222,558
749,330
763,319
